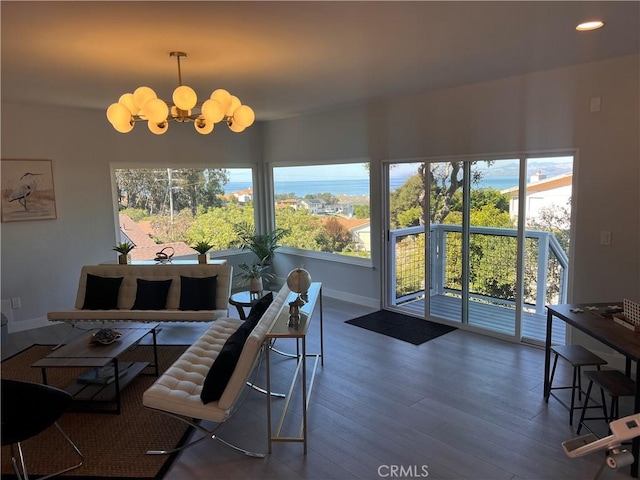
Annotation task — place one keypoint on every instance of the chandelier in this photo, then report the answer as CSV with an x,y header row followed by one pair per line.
x,y
143,105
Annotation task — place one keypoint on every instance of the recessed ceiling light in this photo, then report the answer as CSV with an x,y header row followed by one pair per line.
x,y
593,25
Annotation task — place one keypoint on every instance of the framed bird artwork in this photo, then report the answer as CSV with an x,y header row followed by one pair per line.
x,y
27,190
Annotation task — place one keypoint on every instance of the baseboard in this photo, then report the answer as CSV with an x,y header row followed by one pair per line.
x,y
348,297
277,283
29,324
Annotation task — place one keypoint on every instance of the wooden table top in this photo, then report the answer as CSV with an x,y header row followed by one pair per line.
x,y
82,352
605,330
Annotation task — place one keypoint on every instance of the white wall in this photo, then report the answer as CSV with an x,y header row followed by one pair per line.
x,y
542,111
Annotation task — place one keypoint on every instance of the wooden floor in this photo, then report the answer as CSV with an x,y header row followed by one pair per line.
x,y
461,406
493,318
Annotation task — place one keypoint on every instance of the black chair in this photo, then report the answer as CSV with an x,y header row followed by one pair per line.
x,y
577,356
27,410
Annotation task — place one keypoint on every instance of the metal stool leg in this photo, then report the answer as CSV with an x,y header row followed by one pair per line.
x,y
584,407
553,372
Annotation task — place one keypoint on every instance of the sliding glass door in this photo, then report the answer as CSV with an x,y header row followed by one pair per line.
x,y
486,260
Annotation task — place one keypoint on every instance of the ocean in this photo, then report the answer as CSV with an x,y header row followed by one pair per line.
x,y
351,186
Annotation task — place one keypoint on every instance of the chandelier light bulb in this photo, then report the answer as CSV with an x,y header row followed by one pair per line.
x,y
142,95
235,103
235,127
203,126
213,111
126,99
118,114
159,128
223,97
244,116
185,97
156,110
123,126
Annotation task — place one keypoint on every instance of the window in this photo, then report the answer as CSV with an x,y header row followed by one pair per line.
x,y
174,208
324,208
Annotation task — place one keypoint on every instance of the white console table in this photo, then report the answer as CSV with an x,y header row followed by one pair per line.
x,y
281,329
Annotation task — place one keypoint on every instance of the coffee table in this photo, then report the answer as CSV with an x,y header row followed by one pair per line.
x,y
82,352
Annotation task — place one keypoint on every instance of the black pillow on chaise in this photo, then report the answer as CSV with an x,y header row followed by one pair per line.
x,y
226,361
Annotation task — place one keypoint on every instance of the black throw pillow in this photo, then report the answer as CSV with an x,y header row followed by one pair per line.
x,y
226,361
101,293
151,294
198,293
261,306
224,364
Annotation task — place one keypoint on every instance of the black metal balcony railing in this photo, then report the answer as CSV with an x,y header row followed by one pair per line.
x,y
492,271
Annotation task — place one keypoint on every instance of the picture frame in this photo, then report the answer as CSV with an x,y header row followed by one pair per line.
x,y
27,190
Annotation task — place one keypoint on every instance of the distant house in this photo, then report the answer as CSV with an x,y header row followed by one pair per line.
x,y
542,193
244,196
288,202
342,209
312,204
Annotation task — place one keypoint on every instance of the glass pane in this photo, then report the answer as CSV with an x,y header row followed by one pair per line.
x,y
445,223
547,224
406,224
325,208
493,246
171,209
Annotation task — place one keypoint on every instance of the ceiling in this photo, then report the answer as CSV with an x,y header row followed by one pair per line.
x,y
287,58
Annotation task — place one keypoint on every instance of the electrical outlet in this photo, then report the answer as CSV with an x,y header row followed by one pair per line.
x,y
15,303
605,238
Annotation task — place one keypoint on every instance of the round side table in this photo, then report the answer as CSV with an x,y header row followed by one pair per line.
x,y
245,299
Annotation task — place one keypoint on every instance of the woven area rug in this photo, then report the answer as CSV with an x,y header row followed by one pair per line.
x,y
113,446
403,327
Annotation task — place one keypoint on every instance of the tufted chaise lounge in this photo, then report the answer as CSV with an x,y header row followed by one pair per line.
x,y
177,391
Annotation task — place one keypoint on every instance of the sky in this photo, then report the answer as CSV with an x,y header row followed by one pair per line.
x,y
357,170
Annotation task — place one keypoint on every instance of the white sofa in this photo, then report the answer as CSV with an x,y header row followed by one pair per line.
x,y
177,391
128,290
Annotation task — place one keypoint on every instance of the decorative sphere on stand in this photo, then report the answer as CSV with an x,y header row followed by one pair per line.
x,y
299,280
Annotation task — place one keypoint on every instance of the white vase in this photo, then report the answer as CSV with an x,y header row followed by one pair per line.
x,y
255,285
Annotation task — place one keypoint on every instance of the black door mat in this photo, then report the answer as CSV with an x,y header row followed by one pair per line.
x,y
403,327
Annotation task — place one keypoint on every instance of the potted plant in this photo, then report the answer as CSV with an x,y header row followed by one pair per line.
x,y
262,245
253,275
123,248
202,247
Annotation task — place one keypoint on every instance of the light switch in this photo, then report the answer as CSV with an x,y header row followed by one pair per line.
x,y
595,104
605,237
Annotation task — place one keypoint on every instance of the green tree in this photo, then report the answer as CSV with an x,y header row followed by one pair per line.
x,y
334,237
172,230
304,228
404,199
154,190
362,211
217,226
